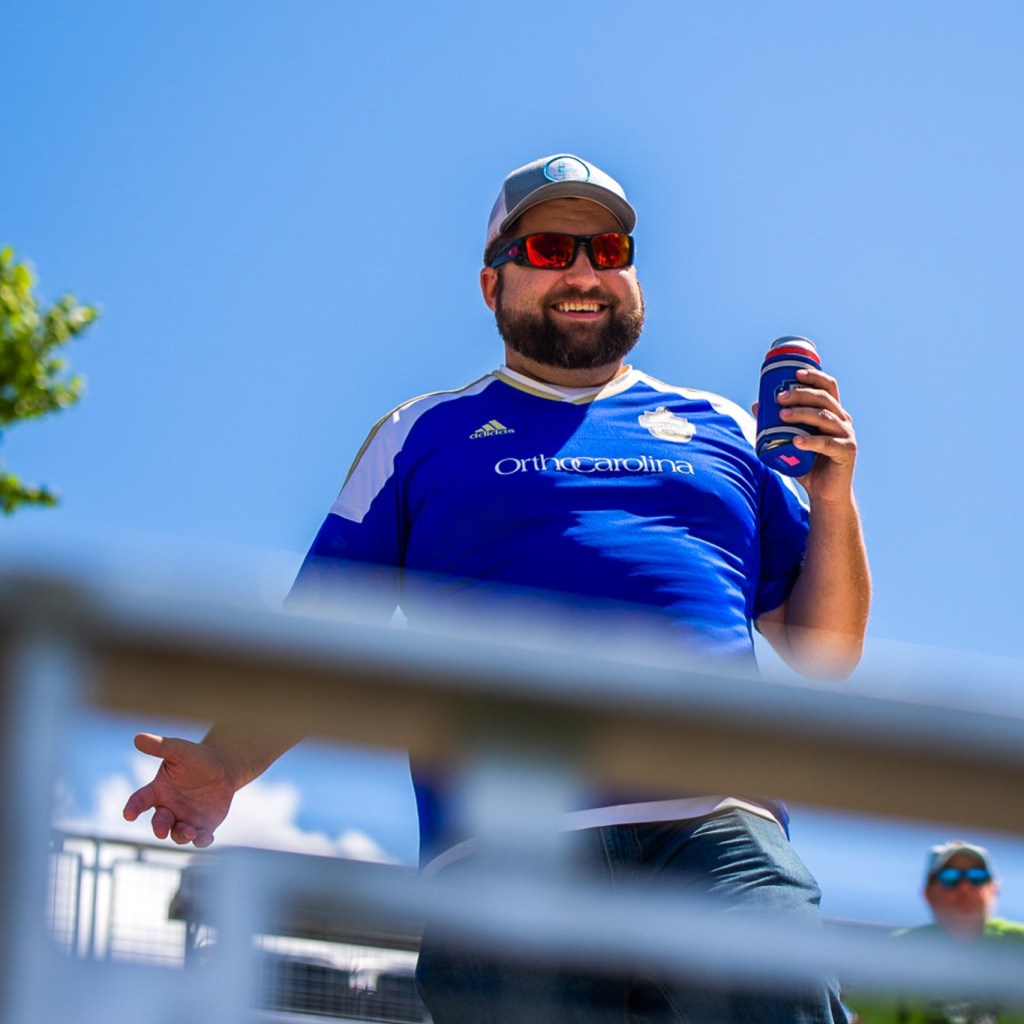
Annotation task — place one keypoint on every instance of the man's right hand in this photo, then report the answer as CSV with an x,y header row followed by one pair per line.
x,y
190,794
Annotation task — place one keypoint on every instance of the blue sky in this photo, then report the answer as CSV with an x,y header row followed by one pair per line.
x,y
281,213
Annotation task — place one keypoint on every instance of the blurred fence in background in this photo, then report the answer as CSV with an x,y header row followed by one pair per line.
x,y
119,902
111,900
525,722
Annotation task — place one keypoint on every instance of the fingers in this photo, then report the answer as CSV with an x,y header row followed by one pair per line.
x,y
825,420
148,743
815,403
182,832
165,824
815,388
161,746
203,838
819,379
841,450
141,800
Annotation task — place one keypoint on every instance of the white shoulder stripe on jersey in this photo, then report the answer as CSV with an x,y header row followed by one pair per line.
x,y
375,461
744,420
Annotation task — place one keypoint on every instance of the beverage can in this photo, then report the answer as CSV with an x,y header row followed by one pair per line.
x,y
774,441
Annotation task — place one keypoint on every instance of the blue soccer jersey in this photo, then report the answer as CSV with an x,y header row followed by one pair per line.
x,y
636,492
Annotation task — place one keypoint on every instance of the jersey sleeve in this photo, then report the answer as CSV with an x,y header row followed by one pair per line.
x,y
782,520
356,557
783,538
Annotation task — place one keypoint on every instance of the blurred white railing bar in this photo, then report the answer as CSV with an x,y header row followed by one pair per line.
x,y
540,916
627,718
634,724
44,680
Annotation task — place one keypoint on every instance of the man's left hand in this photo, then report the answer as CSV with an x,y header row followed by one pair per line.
x,y
815,403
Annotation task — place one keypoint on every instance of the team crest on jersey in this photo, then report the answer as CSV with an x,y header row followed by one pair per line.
x,y
666,425
492,428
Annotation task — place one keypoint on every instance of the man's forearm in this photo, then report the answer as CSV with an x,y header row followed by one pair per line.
x,y
827,612
246,753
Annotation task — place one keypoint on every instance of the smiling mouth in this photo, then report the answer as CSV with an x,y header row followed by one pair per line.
x,y
578,306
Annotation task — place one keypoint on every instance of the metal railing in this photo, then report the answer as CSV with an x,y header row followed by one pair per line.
x,y
112,900
521,719
119,902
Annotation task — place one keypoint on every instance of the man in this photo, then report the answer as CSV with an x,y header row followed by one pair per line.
x,y
568,472
960,887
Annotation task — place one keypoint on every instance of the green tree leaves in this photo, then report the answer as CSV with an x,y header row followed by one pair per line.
x,y
33,377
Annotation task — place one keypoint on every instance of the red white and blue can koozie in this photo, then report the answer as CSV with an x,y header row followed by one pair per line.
x,y
774,442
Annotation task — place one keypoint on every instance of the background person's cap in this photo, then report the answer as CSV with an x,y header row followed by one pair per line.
x,y
551,177
940,856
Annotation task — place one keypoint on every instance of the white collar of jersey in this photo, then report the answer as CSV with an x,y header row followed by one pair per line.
x,y
567,394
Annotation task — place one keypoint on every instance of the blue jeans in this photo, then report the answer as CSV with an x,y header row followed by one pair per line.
x,y
736,855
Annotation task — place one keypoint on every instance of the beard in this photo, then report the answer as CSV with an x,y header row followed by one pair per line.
x,y
581,346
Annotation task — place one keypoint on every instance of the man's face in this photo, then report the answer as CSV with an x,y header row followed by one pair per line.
x,y
963,908
574,318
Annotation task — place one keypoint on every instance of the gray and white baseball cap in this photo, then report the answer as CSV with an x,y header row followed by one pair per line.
x,y
940,856
552,177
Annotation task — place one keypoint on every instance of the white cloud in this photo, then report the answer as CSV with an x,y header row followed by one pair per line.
x,y
132,904
263,814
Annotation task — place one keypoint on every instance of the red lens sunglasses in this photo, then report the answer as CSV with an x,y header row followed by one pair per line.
x,y
552,250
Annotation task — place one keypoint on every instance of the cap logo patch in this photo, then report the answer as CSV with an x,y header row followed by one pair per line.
x,y
566,168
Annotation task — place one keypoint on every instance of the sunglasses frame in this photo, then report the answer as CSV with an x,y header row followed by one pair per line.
x,y
516,252
950,878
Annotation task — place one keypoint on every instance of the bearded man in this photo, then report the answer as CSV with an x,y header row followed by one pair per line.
x,y
568,472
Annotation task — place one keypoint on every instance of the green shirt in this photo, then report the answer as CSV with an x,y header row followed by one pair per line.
x,y
873,1009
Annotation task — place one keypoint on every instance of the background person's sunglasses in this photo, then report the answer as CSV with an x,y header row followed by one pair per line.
x,y
950,877
552,250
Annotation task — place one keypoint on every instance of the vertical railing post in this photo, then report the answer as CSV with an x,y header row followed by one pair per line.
x,y
43,679
241,902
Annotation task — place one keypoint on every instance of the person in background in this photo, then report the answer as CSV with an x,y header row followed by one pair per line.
x,y
961,888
